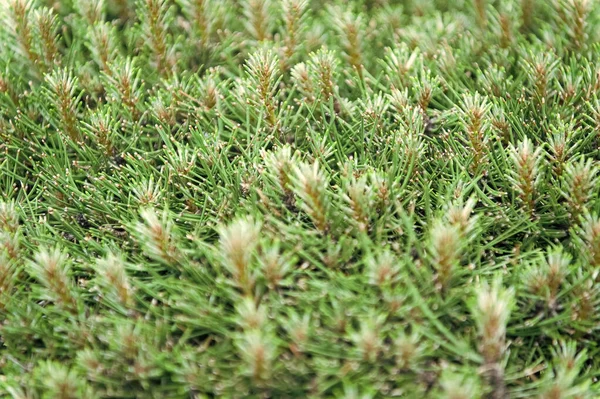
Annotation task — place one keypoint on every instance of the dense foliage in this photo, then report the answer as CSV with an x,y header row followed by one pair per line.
x,y
293,198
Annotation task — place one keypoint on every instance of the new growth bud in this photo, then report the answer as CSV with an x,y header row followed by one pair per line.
x,y
238,242
50,267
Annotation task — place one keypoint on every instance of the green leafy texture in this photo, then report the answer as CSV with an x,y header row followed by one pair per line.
x,y
294,198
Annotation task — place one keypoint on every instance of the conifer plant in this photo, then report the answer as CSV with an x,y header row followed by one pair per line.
x,y
299,198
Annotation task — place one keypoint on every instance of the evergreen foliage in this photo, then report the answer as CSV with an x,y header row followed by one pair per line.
x,y
295,198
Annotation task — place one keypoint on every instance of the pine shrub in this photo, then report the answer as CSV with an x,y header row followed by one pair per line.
x,y
299,198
